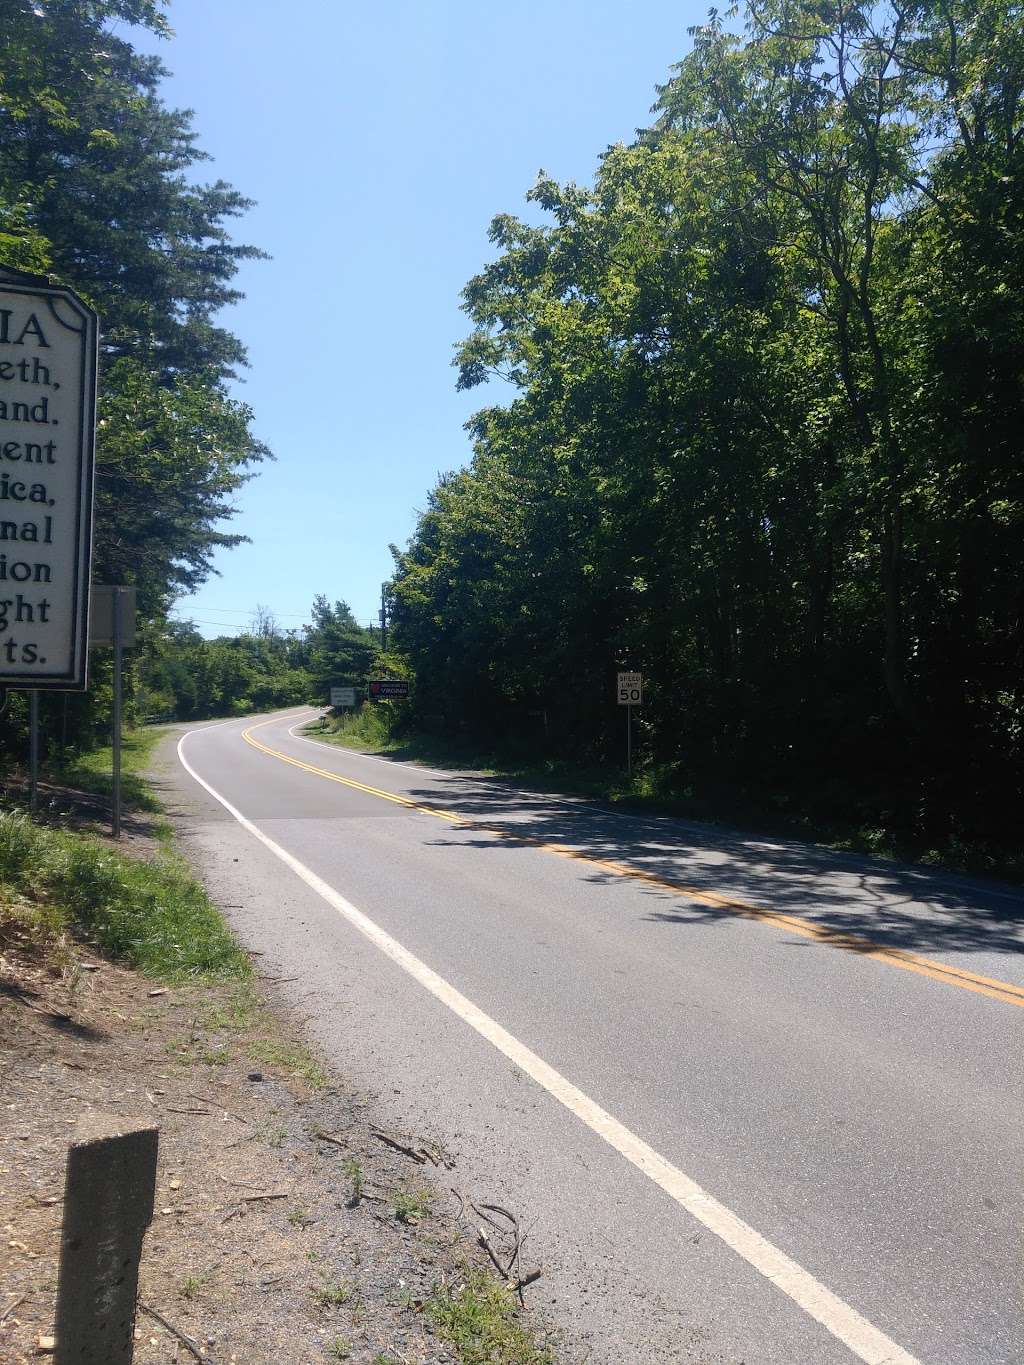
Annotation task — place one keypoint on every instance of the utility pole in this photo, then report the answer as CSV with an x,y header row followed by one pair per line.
x,y
383,617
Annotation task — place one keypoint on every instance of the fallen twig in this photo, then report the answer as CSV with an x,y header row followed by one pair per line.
x,y
217,1105
185,1340
321,1136
485,1242
418,1155
255,1198
11,1307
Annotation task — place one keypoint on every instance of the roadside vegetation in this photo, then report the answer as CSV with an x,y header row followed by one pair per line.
x,y
763,446
152,914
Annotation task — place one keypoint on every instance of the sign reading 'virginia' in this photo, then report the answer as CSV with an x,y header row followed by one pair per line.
x,y
47,428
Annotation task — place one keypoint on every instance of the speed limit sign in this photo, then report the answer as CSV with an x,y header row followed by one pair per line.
x,y
631,689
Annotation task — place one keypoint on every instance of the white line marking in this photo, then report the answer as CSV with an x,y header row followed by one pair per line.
x,y
865,1341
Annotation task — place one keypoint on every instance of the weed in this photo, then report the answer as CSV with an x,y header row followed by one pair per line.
x,y
213,1056
332,1293
190,1286
292,1058
356,1175
299,1217
237,1011
339,1349
411,1204
477,1317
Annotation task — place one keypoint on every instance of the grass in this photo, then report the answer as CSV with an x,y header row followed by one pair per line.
x,y
411,1205
152,915
92,772
357,1176
291,1057
332,1293
478,1318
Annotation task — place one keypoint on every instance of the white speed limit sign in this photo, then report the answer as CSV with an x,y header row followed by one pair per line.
x,y
631,689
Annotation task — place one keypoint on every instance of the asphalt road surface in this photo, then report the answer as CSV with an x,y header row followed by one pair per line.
x,y
756,1102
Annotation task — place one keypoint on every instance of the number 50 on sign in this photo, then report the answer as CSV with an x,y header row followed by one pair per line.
x,y
631,689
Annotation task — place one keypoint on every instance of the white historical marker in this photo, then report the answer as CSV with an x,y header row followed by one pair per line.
x,y
343,696
48,340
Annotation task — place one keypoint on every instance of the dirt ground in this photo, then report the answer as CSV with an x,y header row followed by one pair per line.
x,y
288,1227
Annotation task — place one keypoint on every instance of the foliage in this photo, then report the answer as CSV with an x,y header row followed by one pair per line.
x,y
95,190
153,915
765,439
477,1317
258,670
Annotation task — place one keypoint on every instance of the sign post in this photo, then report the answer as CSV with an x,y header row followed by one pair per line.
x,y
630,693
33,750
112,622
343,696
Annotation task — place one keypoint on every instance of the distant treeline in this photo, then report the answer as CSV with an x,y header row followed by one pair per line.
x,y
767,441
186,677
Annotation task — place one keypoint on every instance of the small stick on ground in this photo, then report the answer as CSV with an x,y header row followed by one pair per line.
x,y
485,1242
418,1155
11,1307
185,1340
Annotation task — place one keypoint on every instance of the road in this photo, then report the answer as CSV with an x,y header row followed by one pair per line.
x,y
757,1102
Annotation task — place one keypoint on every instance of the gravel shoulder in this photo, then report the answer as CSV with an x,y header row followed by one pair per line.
x,y
290,1226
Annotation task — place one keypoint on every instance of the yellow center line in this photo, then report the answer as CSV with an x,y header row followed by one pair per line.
x,y
895,957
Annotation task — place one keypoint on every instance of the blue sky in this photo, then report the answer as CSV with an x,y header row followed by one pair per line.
x,y
378,142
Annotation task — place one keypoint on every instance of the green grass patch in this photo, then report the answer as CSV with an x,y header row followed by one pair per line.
x,y
92,772
152,915
290,1057
478,1318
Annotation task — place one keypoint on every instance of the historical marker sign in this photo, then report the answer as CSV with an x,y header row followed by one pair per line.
x,y
48,343
631,689
343,696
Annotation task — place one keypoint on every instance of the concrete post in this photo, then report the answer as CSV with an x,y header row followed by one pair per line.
x,y
108,1204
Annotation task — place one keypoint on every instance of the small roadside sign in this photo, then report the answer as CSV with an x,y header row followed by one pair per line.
x,y
630,689
389,689
102,599
343,696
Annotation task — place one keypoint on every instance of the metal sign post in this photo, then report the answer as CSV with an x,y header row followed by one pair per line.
x,y
33,750
118,706
630,693
112,623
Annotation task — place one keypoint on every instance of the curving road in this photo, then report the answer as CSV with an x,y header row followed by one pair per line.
x,y
756,1102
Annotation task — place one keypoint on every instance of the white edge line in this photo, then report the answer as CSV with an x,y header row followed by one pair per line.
x,y
855,1332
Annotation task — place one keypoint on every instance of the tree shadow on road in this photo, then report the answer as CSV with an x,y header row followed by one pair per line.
x,y
849,897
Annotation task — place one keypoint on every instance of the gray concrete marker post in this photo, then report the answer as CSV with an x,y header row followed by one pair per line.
x,y
108,1205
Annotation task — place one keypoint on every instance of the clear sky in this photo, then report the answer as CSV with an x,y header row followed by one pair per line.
x,y
379,141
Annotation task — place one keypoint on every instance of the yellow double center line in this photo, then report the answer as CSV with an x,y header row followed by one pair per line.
x,y
895,957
